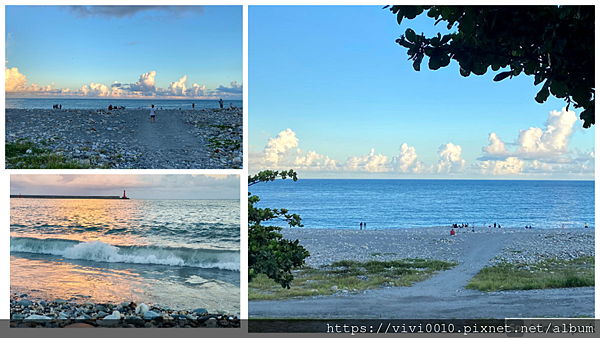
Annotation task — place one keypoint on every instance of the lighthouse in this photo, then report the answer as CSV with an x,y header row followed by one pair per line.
x,y
124,197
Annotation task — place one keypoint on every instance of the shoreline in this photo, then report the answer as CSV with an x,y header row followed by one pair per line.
x,y
443,295
61,313
208,138
518,245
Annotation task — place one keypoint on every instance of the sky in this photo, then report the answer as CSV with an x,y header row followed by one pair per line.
x,y
136,186
333,96
124,51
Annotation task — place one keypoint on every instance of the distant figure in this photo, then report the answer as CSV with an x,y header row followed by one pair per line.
x,y
563,225
60,107
585,225
473,229
193,106
494,224
110,107
452,232
152,114
231,105
360,225
365,225
221,103
499,226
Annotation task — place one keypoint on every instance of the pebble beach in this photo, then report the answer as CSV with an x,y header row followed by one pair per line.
x,y
61,313
125,139
518,245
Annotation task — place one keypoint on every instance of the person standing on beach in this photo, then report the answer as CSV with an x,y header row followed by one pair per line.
x,y
360,225
152,114
193,106
365,225
221,103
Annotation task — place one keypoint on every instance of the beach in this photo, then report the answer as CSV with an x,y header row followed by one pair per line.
x,y
444,295
93,138
61,313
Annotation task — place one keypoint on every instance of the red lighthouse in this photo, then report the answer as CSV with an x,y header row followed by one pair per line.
x,y
124,194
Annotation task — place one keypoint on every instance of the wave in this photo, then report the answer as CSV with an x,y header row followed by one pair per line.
x,y
103,252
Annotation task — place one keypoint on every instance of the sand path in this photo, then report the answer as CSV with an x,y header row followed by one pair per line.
x,y
442,296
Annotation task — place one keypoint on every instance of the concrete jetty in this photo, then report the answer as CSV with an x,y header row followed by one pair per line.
x,y
71,197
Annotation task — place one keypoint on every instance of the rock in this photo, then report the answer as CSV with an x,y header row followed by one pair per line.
x,y
135,320
201,311
37,319
115,315
334,288
24,302
108,322
151,315
211,322
43,303
17,316
102,314
140,309
60,301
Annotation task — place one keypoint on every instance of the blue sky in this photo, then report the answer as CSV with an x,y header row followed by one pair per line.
x,y
335,78
184,51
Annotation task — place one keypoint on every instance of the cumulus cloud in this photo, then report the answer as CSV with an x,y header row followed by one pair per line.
x,y
369,162
537,150
277,147
15,82
145,85
450,160
510,166
407,162
552,141
94,89
496,149
235,89
108,12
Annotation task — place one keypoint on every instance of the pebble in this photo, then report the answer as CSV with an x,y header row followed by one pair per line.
x,y
107,139
88,314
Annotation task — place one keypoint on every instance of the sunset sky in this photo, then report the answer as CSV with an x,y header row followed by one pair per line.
x,y
124,51
334,96
137,186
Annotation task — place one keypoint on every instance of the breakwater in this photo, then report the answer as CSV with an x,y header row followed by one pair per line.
x,y
71,197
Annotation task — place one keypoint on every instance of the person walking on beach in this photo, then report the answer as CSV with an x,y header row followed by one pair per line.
x,y
152,114
221,103
360,225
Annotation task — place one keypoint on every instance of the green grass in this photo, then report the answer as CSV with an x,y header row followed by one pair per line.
x,y
550,273
39,158
347,275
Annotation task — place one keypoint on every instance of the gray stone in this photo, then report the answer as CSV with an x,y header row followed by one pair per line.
x,y
24,302
17,316
201,311
135,320
151,315
37,319
61,301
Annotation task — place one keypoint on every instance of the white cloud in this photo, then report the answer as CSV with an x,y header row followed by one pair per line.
x,y
146,83
369,163
553,141
495,149
510,166
15,82
450,160
277,147
407,162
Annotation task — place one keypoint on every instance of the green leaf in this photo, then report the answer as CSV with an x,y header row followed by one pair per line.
x,y
542,95
411,35
559,88
502,76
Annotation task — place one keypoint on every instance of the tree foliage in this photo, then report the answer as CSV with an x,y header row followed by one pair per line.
x,y
268,252
555,44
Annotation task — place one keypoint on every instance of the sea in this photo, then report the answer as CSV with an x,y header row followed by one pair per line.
x,y
70,103
181,254
396,204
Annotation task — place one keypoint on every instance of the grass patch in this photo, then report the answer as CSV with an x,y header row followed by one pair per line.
x,y
227,144
347,275
39,158
550,273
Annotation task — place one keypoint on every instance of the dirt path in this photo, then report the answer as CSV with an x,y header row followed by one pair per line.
x,y
169,139
442,296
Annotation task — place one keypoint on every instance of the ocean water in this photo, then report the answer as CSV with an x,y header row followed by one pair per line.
x,y
47,103
389,204
177,253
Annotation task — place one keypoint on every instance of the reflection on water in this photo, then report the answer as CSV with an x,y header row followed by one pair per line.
x,y
179,288
176,253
